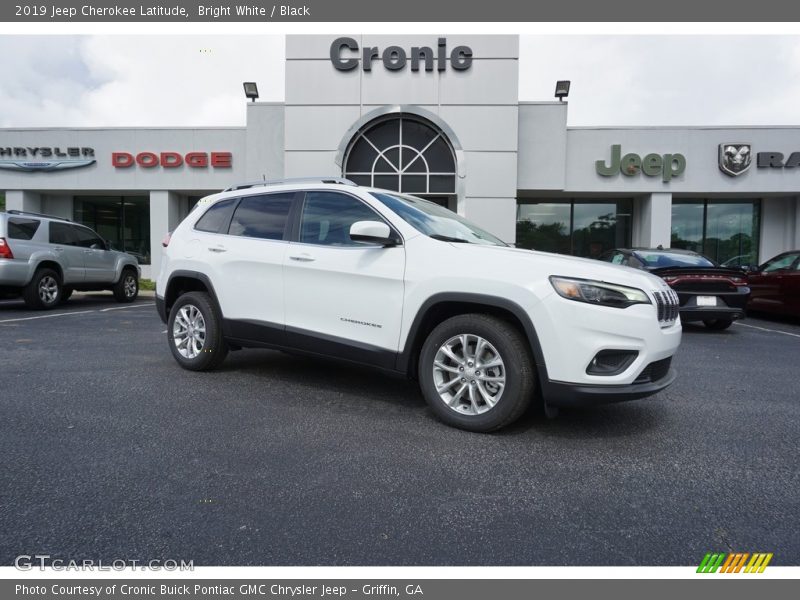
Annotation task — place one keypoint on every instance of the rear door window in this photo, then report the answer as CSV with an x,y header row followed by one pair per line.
x,y
22,229
263,216
61,233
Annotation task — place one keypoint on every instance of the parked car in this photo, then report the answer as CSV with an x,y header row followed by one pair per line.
x,y
45,258
775,285
715,295
328,268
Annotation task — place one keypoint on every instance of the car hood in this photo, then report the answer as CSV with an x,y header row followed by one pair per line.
x,y
547,263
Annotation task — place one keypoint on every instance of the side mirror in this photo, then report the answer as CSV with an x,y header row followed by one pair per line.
x,y
373,232
750,269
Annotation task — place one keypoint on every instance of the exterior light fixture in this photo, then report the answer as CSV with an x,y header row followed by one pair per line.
x,y
251,90
562,90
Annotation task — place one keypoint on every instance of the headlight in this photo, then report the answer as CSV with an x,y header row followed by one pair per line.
x,y
598,292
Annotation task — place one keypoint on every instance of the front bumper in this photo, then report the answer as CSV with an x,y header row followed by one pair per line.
x,y
557,393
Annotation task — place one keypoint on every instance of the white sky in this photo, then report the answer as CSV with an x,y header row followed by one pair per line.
x,y
197,80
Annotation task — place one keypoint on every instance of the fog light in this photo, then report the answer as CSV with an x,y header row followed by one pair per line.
x,y
611,362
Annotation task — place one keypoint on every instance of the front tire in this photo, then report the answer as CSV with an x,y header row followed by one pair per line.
x,y
194,332
717,324
44,290
476,372
127,288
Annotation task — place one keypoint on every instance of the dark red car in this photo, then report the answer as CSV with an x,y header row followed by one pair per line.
x,y
715,295
775,285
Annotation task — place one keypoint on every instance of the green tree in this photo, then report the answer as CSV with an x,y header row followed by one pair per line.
x,y
2,201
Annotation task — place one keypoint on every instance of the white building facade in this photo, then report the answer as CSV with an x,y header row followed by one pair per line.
x,y
436,116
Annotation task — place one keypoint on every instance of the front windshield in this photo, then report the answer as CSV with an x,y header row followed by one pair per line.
x,y
436,221
673,259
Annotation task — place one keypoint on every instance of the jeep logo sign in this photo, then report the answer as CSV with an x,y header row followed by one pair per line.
x,y
652,165
345,56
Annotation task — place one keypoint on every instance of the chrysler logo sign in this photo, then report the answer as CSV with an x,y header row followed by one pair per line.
x,y
47,158
734,159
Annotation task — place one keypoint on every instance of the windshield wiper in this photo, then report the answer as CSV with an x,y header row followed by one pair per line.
x,y
447,238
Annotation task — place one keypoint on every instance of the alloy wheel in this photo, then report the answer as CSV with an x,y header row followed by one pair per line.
x,y
189,331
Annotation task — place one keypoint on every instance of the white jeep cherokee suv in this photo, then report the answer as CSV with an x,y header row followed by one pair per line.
x,y
328,268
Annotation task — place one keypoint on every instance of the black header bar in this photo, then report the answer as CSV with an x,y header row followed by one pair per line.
x,y
463,11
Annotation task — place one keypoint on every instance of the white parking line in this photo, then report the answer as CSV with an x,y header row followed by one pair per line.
x,y
80,312
77,312
141,304
770,330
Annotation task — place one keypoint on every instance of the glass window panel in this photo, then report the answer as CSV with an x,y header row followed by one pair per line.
x,y
387,182
412,161
417,134
22,229
361,157
262,216
382,166
215,217
122,220
327,217
87,238
544,226
61,233
442,184
687,225
440,157
365,180
393,156
731,232
414,184
385,134
600,226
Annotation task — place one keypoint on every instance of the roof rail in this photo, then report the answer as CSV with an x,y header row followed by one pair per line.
x,y
242,186
35,214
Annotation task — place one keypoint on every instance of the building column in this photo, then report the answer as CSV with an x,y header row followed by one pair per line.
x,y
23,200
165,211
652,225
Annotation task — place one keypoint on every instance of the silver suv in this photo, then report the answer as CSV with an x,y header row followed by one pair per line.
x,y
45,258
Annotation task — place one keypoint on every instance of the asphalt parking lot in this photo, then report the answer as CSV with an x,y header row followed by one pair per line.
x,y
111,451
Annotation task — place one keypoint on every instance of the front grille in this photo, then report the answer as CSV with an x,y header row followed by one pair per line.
x,y
667,306
654,371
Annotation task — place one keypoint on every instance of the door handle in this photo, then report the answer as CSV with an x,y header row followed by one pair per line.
x,y
217,249
303,258
57,249
87,251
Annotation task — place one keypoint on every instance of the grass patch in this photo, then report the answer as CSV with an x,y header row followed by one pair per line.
x,y
147,284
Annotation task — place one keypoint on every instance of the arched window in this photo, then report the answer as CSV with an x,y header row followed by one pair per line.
x,y
403,153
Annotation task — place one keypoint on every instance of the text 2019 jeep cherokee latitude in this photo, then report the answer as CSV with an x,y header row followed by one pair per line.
x,y
329,268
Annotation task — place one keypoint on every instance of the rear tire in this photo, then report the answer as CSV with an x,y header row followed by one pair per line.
x,y
44,290
194,332
476,372
127,288
717,324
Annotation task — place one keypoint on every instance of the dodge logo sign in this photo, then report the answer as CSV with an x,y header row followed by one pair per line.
x,y
734,159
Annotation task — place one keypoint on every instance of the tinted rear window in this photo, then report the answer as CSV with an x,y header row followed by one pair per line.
x,y
215,217
673,259
262,216
22,229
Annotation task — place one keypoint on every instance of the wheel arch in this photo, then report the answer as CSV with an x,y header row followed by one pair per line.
x,y
49,264
445,305
181,282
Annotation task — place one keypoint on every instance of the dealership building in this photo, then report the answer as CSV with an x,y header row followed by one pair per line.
x,y
439,117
